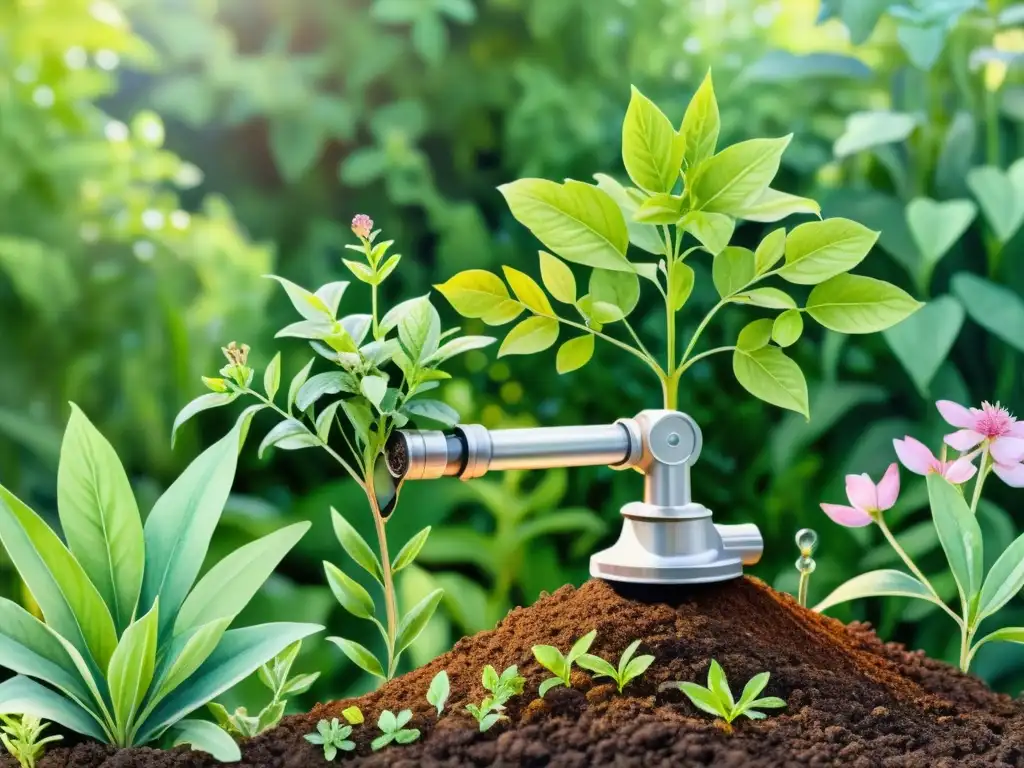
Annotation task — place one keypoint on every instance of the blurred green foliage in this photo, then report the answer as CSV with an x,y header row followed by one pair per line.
x,y
123,269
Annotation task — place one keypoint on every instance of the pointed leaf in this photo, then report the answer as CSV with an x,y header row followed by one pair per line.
x,y
769,251
769,375
923,341
651,150
407,554
774,205
713,230
581,646
330,383
22,696
558,278
307,304
753,689
437,693
458,346
535,334
701,125
597,665
575,353
738,175
434,410
644,236
959,534
718,683
883,583
297,382
680,285
547,685
356,547
416,619
288,435
528,292
552,660
359,656
819,250
272,377
704,699
205,737
732,270
131,668
198,405
349,592
856,304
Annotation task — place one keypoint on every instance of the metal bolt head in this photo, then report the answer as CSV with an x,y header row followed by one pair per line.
x,y
670,437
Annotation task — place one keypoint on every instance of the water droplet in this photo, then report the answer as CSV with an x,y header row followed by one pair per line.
x,y
806,564
807,541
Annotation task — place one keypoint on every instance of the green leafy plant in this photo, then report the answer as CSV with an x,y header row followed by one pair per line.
x,y
502,688
365,350
685,190
275,675
332,736
21,738
716,699
131,643
437,693
629,668
560,666
353,715
392,728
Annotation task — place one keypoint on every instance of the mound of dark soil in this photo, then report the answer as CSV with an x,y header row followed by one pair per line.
x,y
852,699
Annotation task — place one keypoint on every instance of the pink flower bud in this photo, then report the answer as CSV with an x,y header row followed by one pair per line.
x,y
362,225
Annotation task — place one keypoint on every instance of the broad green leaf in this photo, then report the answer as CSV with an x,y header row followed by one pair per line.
x,y
330,383
534,334
528,292
100,518
752,689
360,417
701,125
330,294
416,619
558,279
713,230
131,668
1005,579
185,654
349,592
359,655
770,250
732,270
680,285
738,175
437,692
356,547
205,737
434,410
769,375
308,329
325,420
718,683
307,304
643,236
788,328
661,208
1000,201
769,298
71,604
577,221
23,696
272,377
419,330
1004,635
552,660
477,293
884,583
818,250
581,646
240,653
575,353
755,335
774,205
651,150
704,699
229,585
547,685
289,435
865,130
959,534
620,289
198,405
923,341
856,304
597,665
922,43
458,346
297,382
179,527
937,227
407,554
997,309
374,388
362,272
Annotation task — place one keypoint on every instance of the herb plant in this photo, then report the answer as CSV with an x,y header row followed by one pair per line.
x,y
437,693
21,738
502,688
685,192
717,699
392,728
560,666
333,736
382,368
275,675
629,668
993,438
130,642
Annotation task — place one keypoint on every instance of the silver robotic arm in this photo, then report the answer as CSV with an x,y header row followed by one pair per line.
x,y
665,539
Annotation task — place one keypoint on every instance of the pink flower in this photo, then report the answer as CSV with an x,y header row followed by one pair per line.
x,y
867,500
1001,433
362,225
915,456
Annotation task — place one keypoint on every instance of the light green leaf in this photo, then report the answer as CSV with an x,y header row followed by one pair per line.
x,y
704,699
434,410
577,221
1004,635
597,665
732,270
818,250
713,230
923,44
768,298
289,435
937,227
997,309
477,293
575,353
23,696
547,685
330,383
528,292
718,683
788,328
458,346
325,420
185,654
774,205
534,334
416,619
297,382
884,583
620,289
356,547
769,375
437,692
349,592
374,388
552,660
959,534
644,236
865,130
407,554
307,304
362,272
272,377
752,689
330,294
205,737
651,150
359,655
770,250
131,668
923,341
680,285
99,516
1005,579
558,279
755,335
856,304
419,330
1000,201
581,646
738,175
198,405
701,125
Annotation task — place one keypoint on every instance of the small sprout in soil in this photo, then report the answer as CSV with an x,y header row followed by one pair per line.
x,y
806,541
353,714
437,693
510,683
560,666
629,668
20,735
392,728
717,699
332,736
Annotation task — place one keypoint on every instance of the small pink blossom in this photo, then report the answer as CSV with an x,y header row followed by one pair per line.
x,y
867,500
915,456
362,225
993,426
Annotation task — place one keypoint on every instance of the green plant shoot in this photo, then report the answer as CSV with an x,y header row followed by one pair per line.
x,y
437,693
392,728
502,688
21,738
560,666
333,737
716,699
629,668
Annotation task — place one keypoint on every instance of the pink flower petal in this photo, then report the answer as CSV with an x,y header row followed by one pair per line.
x,y
955,414
960,471
1007,450
861,492
889,487
915,455
1017,429
1011,474
847,516
964,439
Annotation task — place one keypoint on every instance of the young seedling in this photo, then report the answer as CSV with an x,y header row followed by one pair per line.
x,y
353,715
333,736
437,693
20,735
806,541
629,668
717,699
392,728
560,666
502,688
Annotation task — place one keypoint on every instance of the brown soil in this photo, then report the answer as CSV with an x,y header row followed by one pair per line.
x,y
852,699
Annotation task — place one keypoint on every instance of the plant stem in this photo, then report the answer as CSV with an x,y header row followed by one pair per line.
x,y
373,305
805,578
966,653
670,390
639,343
700,330
914,569
651,363
979,481
389,583
702,355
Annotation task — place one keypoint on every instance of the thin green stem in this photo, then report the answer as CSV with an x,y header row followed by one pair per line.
x,y
651,363
636,338
702,355
700,330
373,305
979,481
966,651
914,569
805,578
670,318
389,585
